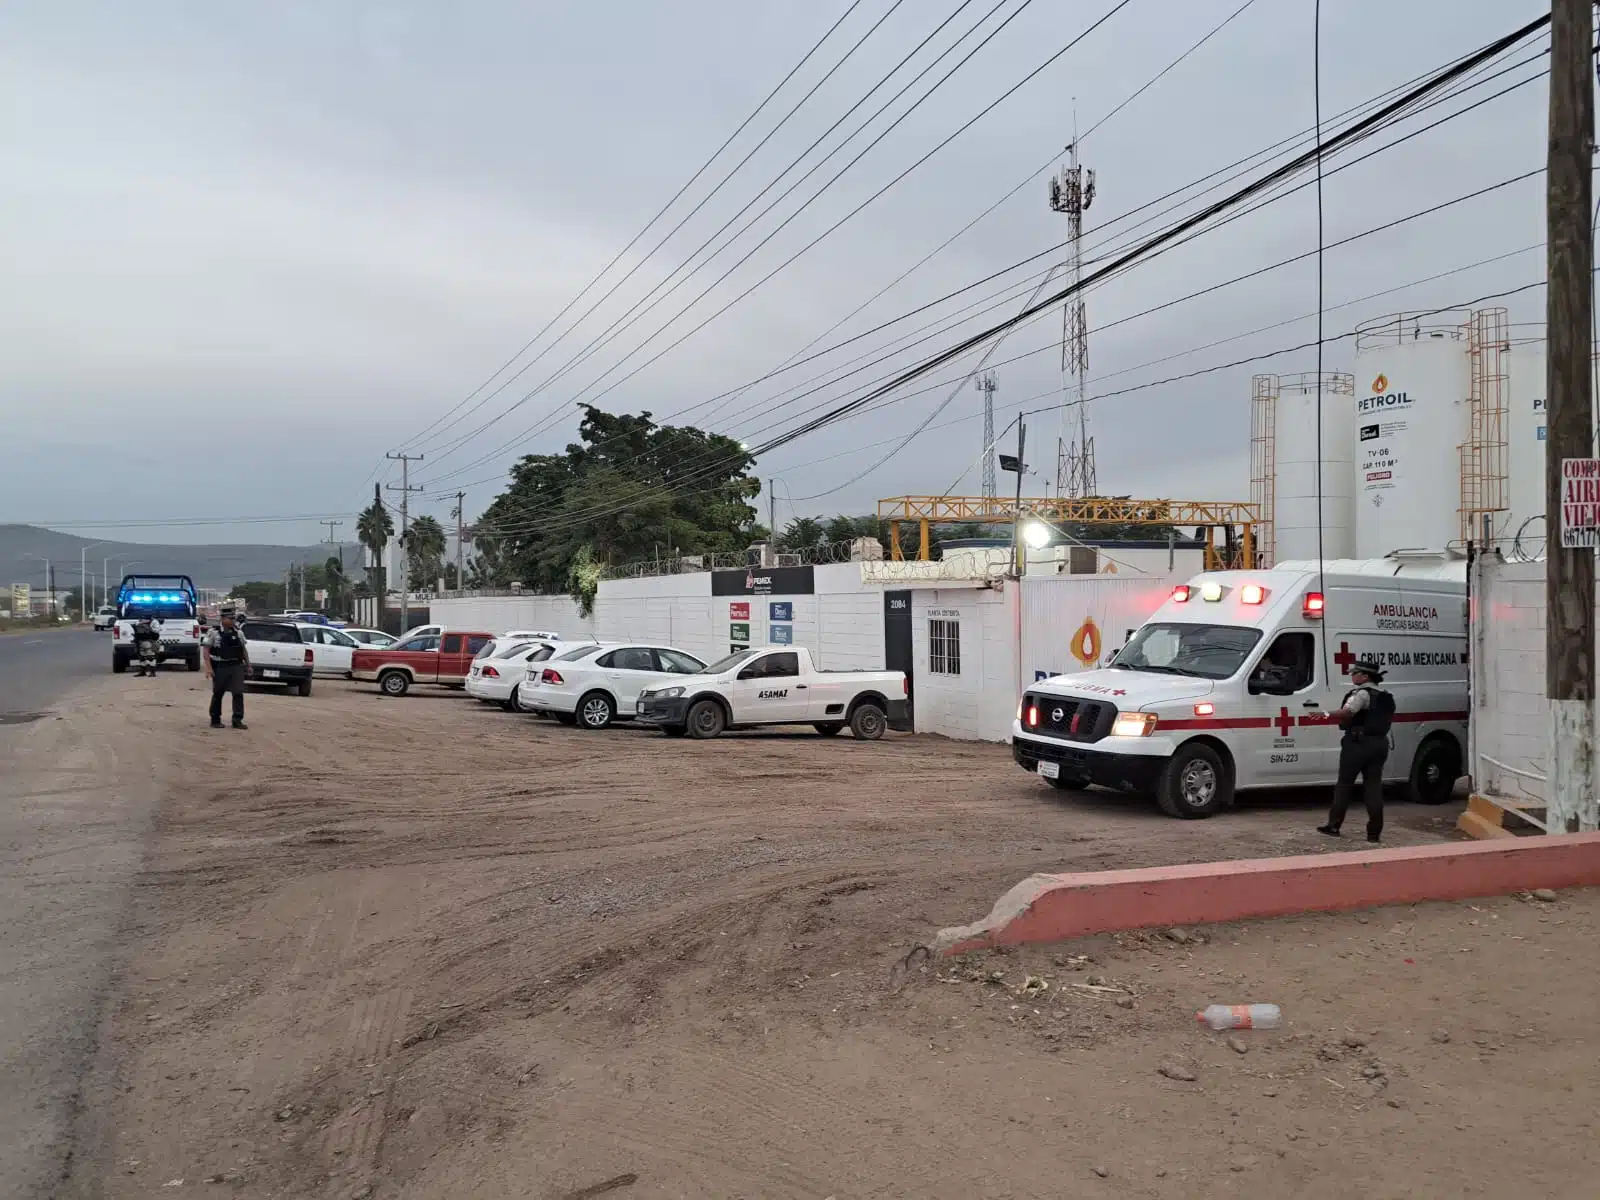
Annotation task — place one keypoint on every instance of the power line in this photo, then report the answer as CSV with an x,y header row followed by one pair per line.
x,y
848,216
1115,221
662,211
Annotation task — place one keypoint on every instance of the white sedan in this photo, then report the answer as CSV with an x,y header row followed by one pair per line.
x,y
376,639
593,686
501,676
330,648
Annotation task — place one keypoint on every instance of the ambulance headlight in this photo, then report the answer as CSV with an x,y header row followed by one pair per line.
x,y
1211,591
1133,724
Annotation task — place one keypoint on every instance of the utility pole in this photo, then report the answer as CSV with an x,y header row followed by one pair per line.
x,y
1071,192
405,489
1569,570
461,537
1019,465
772,513
987,385
333,540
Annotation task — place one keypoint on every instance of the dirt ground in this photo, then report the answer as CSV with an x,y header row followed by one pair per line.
x,y
424,948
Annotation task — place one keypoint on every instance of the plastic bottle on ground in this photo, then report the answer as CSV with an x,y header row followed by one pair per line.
x,y
1241,1016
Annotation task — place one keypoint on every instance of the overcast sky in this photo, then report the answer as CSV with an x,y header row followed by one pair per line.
x,y
249,248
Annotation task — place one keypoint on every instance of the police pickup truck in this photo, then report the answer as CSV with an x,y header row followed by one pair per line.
x,y
170,602
775,686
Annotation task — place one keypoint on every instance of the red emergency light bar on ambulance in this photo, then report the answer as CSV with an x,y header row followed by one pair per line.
x,y
1234,682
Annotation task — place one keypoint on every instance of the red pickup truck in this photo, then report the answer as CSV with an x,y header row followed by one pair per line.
x,y
444,658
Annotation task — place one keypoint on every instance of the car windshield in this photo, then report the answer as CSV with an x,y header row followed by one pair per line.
x,y
582,652
1202,651
729,663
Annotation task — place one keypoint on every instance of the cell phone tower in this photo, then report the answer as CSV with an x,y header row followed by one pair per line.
x,y
986,384
1071,192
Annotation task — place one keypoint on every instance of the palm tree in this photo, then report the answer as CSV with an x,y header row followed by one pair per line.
x,y
374,528
333,576
802,533
424,545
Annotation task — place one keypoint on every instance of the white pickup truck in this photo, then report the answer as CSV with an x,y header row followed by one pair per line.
x,y
775,686
170,603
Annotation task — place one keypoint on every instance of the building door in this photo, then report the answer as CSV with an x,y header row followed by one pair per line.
x,y
897,646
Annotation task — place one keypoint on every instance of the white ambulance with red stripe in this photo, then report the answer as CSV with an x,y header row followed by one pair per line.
x,y
1234,683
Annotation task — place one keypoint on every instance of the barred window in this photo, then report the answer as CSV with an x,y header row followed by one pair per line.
x,y
944,646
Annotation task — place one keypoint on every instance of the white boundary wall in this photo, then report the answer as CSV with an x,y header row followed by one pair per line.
x,y
500,613
1510,724
1007,643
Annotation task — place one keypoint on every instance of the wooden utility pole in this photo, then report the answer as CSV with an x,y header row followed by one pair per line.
x,y
1569,569
461,537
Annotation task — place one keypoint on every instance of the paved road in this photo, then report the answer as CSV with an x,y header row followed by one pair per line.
x,y
77,787
37,669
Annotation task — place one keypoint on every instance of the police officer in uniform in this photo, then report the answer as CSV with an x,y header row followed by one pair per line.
x,y
146,638
1365,716
227,664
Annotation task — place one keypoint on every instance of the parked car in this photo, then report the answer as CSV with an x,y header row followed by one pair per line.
x,y
372,637
277,654
105,617
500,676
596,685
530,635
440,658
421,631
332,648
776,687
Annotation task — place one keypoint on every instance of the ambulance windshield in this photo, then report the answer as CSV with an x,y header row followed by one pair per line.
x,y
1204,651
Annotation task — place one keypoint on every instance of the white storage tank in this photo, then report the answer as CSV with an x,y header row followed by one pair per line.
x,y
1412,413
1295,490
1525,437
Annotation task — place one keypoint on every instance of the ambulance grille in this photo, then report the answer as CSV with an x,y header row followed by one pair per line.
x,y
1073,720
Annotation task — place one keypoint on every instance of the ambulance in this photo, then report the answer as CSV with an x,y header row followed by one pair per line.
x,y
1235,681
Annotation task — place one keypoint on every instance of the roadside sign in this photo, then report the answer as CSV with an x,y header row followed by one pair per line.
x,y
21,599
1580,503
781,610
739,610
780,635
739,631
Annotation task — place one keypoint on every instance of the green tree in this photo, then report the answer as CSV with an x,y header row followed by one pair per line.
x,y
802,533
628,489
374,528
424,544
338,586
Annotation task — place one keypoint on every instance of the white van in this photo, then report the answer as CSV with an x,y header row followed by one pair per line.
x,y
1233,684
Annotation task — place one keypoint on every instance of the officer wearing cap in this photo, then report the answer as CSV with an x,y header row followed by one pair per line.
x,y
227,663
1365,716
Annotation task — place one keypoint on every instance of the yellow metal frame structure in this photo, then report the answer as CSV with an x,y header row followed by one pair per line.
x,y
1209,515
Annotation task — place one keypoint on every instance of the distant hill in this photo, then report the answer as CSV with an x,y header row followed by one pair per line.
x,y
218,566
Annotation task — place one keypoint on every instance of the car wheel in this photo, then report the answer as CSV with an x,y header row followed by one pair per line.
x,y
1435,770
829,728
119,665
1195,783
304,687
706,719
868,722
595,710
394,683
194,663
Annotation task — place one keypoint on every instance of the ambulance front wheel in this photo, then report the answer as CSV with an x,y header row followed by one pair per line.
x,y
1435,770
1196,783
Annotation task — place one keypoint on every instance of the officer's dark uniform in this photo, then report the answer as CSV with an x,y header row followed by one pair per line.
x,y
146,638
226,650
1363,751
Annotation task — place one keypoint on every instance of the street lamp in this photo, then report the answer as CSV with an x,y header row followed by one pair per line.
x,y
83,579
1037,534
105,574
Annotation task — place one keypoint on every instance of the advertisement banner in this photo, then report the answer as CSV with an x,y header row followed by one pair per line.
x,y
764,581
780,635
739,610
739,631
780,610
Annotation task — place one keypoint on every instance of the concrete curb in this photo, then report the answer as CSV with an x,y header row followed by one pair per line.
x,y
1049,908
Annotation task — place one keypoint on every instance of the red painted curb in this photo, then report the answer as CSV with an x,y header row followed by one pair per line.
x,y
1049,908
